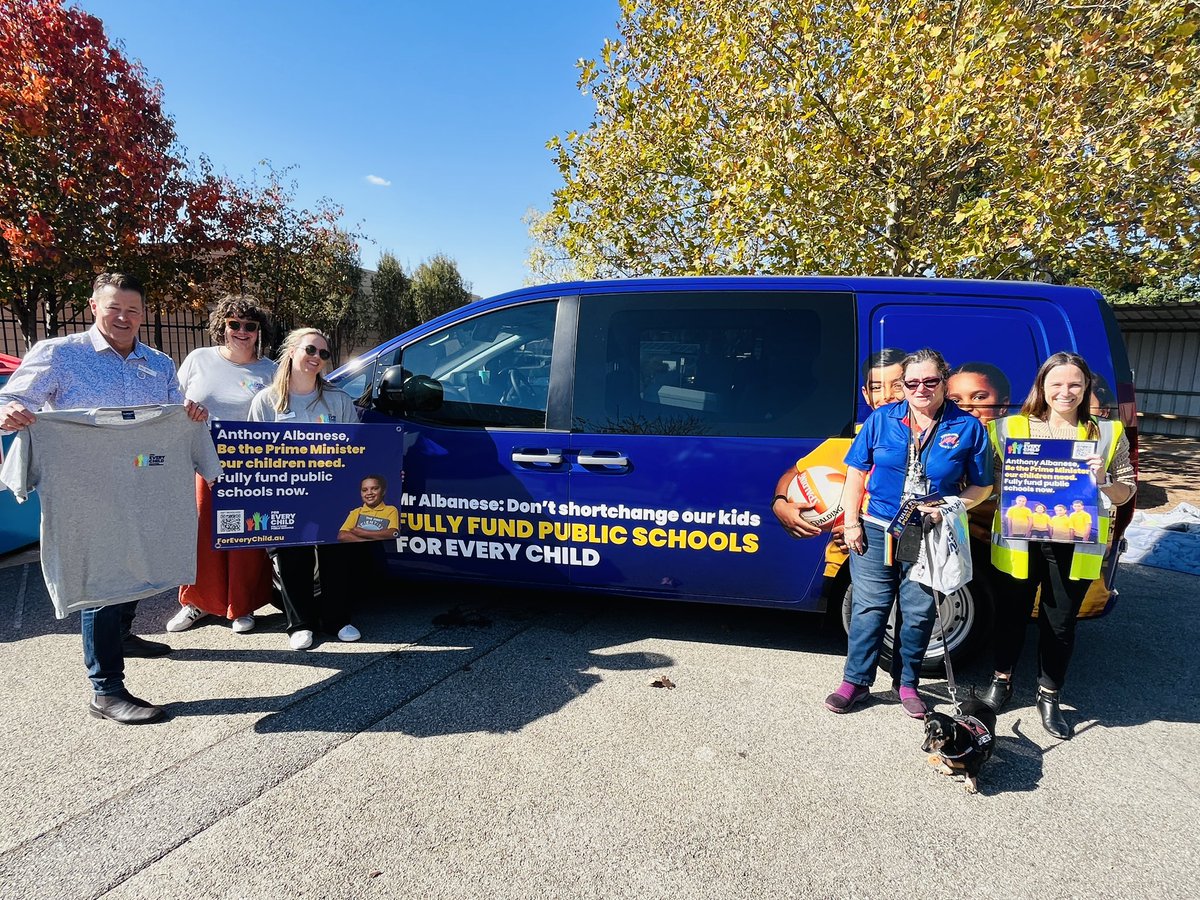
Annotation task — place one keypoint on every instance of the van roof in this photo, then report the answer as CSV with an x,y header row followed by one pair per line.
x,y
856,283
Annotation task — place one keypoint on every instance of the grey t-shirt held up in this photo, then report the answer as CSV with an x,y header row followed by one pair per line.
x,y
118,491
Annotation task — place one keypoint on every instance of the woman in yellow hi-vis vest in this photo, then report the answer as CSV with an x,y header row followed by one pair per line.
x,y
1058,406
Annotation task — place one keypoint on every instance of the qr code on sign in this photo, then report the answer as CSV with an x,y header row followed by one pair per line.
x,y
231,521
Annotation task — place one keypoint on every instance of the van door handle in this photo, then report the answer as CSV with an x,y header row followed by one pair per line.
x,y
550,457
589,459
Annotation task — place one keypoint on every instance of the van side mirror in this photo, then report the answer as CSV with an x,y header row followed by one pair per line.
x,y
400,390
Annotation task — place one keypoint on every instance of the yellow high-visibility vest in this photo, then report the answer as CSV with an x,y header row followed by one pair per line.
x,y
1011,555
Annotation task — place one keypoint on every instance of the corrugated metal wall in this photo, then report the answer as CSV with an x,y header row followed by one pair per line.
x,y
1165,357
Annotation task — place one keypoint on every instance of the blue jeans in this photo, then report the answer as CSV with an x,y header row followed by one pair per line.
x,y
104,630
876,588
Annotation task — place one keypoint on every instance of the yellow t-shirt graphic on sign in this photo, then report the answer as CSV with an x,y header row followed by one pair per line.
x,y
1018,520
1081,524
373,518
1060,527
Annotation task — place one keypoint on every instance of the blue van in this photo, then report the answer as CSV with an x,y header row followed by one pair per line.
x,y
627,436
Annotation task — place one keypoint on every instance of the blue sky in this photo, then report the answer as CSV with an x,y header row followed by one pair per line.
x,y
451,103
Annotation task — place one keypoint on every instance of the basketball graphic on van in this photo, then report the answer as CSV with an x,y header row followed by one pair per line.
x,y
822,487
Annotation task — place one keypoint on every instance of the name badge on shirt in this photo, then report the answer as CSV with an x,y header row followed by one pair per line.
x,y
280,416
145,371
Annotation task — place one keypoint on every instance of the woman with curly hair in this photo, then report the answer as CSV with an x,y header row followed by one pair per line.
x,y
224,379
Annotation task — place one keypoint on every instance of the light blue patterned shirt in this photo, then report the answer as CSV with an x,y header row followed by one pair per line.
x,y
81,371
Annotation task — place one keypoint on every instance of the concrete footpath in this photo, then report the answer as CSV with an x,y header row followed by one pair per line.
x,y
490,746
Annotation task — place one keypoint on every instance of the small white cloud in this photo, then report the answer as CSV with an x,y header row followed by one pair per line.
x,y
376,180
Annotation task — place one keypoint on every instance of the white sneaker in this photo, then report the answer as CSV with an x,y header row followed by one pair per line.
x,y
349,633
187,616
242,624
300,640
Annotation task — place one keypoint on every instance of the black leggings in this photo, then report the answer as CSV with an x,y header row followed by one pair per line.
x,y
297,571
1056,620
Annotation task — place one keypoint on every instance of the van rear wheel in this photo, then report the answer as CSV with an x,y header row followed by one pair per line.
x,y
965,615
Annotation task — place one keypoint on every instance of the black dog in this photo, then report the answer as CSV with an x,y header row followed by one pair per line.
x,y
962,743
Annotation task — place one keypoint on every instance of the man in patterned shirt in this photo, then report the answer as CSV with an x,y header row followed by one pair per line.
x,y
105,366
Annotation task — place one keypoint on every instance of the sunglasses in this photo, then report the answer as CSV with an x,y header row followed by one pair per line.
x,y
233,325
313,351
930,383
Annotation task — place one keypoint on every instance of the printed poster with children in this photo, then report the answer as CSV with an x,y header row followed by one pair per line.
x,y
1047,492
285,485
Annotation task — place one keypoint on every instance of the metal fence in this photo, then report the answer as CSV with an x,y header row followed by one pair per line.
x,y
177,334
1164,351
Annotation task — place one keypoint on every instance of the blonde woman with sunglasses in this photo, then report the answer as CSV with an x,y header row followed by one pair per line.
x,y
224,379
300,395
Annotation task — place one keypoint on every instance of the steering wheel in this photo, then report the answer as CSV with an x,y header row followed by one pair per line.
x,y
519,392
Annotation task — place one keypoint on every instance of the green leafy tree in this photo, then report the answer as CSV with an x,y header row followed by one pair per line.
x,y
1022,139
438,287
300,262
549,260
328,292
1159,293
391,309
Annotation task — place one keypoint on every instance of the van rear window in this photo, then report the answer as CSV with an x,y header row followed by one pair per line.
x,y
743,364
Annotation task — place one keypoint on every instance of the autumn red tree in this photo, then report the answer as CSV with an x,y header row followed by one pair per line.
x,y
89,171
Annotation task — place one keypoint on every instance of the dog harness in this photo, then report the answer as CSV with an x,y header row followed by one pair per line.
x,y
981,738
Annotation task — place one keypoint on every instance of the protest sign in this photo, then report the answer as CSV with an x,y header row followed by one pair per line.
x,y
285,485
1047,491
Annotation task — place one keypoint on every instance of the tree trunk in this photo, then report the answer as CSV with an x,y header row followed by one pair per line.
x,y
27,317
51,310
158,341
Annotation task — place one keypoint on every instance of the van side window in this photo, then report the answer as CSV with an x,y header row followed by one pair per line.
x,y
494,369
358,383
762,364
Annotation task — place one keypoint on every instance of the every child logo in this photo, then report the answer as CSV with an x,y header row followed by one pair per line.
x,y
148,459
272,521
258,522
1024,448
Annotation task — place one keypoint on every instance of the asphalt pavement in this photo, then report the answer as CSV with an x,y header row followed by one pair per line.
x,y
487,745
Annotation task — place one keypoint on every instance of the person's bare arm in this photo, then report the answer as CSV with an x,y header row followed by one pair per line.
x,y
852,495
788,513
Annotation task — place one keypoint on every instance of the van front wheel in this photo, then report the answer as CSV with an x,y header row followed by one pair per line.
x,y
965,615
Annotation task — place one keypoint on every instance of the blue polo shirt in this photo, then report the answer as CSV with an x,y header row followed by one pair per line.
x,y
958,452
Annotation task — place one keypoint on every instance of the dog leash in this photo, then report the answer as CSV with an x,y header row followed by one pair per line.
x,y
927,526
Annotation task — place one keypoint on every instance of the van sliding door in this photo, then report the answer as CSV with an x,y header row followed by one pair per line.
x,y
688,407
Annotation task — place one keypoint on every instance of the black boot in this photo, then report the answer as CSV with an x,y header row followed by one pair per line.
x,y
1052,718
997,694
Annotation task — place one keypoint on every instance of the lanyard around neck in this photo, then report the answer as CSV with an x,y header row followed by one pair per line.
x,y
918,447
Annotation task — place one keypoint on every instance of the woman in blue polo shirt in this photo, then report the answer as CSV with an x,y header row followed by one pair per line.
x,y
921,445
